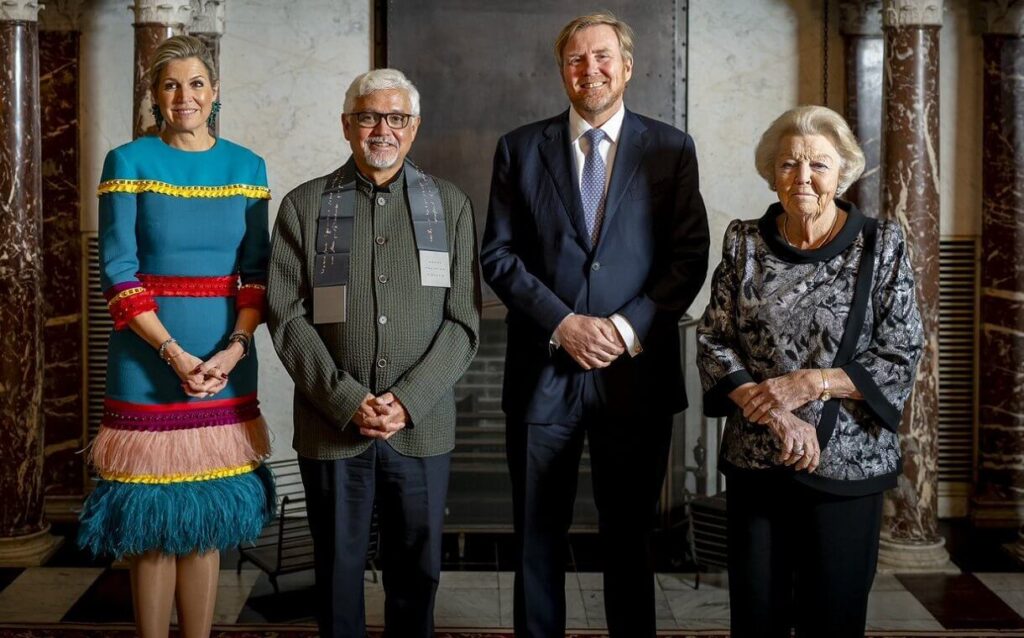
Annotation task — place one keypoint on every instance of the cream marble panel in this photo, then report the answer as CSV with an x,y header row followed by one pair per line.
x,y
284,70
749,62
105,92
49,603
960,120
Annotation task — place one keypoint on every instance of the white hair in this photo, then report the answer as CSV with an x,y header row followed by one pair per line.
x,y
381,80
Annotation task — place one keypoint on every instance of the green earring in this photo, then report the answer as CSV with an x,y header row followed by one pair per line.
x,y
211,121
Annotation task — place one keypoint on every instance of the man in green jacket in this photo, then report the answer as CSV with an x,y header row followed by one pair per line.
x,y
374,310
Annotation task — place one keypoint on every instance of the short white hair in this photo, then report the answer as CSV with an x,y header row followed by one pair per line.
x,y
381,80
812,120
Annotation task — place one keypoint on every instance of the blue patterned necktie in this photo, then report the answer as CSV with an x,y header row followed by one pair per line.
x,y
592,185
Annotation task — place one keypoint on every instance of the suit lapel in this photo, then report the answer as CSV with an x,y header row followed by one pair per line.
x,y
632,145
556,153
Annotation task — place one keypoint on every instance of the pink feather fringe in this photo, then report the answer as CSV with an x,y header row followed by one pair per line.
x,y
190,451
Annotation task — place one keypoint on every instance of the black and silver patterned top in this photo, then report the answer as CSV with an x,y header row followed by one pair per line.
x,y
775,309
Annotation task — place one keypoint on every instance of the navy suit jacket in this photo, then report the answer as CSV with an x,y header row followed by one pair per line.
x,y
648,265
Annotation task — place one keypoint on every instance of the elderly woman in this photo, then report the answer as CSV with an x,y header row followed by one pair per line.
x,y
809,346
183,254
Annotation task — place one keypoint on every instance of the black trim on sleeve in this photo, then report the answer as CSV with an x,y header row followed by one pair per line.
x,y
717,401
873,397
854,324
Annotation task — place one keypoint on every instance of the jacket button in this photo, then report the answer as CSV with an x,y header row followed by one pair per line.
x,y
380,241
382,279
382,362
381,201
382,320
595,266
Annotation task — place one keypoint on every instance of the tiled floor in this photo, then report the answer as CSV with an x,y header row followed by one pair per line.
x,y
476,591
484,599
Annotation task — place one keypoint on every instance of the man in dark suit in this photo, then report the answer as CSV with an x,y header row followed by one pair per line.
x,y
597,242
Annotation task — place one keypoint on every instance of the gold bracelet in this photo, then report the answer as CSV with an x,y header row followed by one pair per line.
x,y
826,395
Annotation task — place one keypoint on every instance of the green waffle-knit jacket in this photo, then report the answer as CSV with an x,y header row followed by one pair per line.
x,y
399,336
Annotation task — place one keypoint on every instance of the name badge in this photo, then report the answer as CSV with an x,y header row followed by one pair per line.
x,y
434,269
330,304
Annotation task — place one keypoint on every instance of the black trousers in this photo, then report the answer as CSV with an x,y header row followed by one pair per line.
x,y
410,494
628,463
799,558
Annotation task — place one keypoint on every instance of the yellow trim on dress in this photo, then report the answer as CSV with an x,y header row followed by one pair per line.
x,y
152,186
165,479
123,294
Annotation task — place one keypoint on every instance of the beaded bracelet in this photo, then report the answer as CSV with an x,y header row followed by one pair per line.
x,y
242,337
163,350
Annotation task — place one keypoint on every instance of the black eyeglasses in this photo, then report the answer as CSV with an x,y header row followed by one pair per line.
x,y
370,119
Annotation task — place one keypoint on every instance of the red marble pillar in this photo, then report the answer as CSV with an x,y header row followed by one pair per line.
x,y
63,468
208,26
155,21
1000,496
860,23
910,194
24,533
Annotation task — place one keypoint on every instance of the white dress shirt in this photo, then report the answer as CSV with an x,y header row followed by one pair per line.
x,y
606,147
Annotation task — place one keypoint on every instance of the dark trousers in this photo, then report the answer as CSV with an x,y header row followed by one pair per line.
x,y
628,467
799,558
410,494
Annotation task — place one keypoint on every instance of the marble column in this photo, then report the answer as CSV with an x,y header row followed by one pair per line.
x,y
155,21
1000,497
63,469
208,26
24,533
860,23
910,194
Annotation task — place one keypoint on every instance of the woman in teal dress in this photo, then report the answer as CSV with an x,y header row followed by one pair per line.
x,y
183,253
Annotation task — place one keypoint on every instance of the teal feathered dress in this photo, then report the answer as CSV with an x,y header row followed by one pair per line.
x,y
183,234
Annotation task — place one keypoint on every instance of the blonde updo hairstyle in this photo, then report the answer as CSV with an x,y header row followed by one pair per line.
x,y
180,47
811,120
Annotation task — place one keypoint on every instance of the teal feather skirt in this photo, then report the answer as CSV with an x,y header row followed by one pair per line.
x,y
124,519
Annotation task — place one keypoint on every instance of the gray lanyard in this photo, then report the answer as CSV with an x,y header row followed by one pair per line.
x,y
334,228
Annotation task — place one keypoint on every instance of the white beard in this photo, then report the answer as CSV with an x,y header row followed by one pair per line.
x,y
380,158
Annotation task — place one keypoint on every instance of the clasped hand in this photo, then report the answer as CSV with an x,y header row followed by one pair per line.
x,y
202,379
771,404
592,342
380,417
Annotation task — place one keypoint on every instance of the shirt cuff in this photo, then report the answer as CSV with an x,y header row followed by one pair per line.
x,y
628,334
553,342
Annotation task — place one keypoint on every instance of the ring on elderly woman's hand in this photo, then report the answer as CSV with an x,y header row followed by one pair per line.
x,y
798,450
